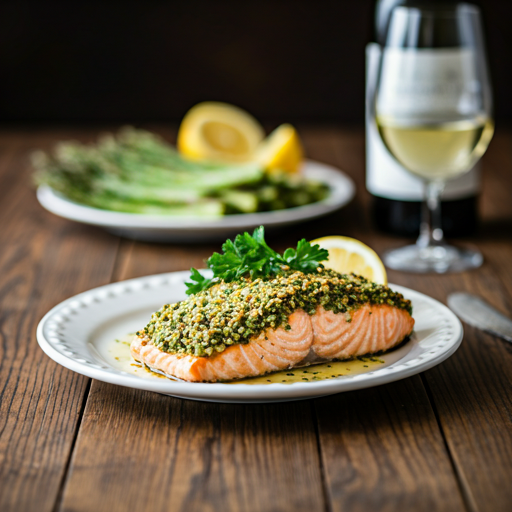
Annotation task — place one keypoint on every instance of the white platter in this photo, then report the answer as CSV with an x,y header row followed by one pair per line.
x,y
160,228
78,332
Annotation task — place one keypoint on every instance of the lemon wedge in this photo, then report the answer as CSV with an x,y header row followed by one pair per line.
x,y
281,150
350,255
219,131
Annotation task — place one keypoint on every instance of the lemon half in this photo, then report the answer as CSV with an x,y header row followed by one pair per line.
x,y
281,150
219,131
350,255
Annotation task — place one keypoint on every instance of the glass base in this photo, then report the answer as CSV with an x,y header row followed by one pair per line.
x,y
439,259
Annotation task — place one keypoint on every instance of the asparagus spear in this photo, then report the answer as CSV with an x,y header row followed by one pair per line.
x,y
136,171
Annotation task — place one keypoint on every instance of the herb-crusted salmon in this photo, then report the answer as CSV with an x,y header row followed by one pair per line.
x,y
292,313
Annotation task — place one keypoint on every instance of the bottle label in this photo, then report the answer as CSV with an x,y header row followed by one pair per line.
x,y
426,84
418,83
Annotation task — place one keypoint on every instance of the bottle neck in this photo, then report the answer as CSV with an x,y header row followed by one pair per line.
x,y
384,8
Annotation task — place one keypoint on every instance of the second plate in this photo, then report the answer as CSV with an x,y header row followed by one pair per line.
x,y
160,228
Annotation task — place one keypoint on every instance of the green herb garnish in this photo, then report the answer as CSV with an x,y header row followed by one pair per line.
x,y
250,256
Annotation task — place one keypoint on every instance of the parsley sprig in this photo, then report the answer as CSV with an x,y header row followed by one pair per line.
x,y
250,256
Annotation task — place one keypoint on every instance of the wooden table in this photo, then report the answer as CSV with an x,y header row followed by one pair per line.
x,y
439,441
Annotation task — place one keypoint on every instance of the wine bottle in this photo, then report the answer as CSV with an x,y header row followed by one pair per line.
x,y
397,195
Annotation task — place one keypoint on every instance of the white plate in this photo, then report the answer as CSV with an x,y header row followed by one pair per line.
x,y
162,228
79,332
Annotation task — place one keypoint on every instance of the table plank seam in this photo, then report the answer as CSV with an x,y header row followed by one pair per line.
x,y
464,491
325,487
65,474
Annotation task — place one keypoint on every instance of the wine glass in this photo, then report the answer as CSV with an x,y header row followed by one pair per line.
x,y
433,109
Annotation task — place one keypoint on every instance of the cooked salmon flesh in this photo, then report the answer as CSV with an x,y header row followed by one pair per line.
x,y
322,336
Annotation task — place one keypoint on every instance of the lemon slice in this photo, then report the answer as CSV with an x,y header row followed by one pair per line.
x,y
281,150
350,255
219,131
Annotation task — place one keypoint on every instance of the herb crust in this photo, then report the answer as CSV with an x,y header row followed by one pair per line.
x,y
232,313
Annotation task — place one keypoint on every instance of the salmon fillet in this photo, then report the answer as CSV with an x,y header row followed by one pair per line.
x,y
319,337
371,329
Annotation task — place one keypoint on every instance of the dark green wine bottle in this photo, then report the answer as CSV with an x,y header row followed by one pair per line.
x,y
399,211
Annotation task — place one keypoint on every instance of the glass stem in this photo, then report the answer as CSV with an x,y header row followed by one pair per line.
x,y
431,232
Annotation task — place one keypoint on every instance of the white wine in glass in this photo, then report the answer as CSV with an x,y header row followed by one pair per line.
x,y
437,150
433,112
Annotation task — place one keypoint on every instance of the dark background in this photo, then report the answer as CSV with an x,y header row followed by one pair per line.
x,y
137,61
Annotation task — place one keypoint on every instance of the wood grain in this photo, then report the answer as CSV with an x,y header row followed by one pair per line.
x,y
43,261
439,441
187,455
293,491
141,451
470,392
382,450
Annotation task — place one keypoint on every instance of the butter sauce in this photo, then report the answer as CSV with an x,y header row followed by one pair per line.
x,y
122,360
316,372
